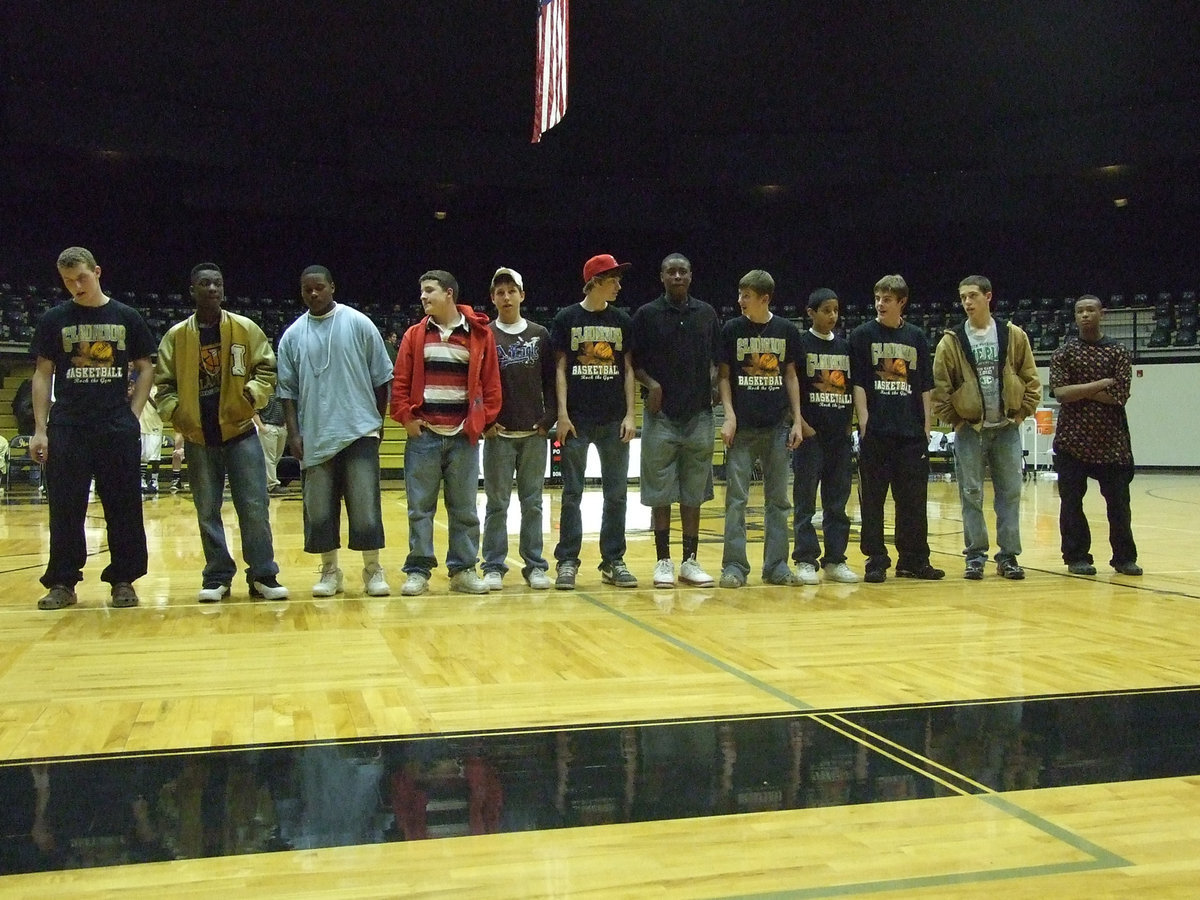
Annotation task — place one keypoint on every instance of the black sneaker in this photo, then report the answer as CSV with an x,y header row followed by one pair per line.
x,y
1127,568
566,577
1081,568
267,588
1009,569
925,573
974,570
618,574
875,576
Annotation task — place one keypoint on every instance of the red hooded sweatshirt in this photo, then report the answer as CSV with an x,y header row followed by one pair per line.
x,y
483,375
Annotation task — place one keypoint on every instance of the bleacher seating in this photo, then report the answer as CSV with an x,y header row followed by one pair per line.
x,y
1185,336
1155,321
1161,335
1047,343
1164,311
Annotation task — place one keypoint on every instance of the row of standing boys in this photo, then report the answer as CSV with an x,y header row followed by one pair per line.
x,y
788,398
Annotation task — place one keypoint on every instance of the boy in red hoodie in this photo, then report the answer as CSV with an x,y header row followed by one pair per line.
x,y
446,393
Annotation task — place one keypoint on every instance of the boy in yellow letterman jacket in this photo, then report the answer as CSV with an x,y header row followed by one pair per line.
x,y
214,370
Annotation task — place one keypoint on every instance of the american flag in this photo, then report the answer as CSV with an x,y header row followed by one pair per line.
x,y
550,77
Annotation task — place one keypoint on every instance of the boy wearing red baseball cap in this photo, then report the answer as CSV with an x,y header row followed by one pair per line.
x,y
594,377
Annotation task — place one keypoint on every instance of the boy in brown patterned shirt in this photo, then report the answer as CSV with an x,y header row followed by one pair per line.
x,y
1091,377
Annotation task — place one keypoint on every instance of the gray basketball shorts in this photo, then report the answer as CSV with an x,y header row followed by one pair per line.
x,y
677,460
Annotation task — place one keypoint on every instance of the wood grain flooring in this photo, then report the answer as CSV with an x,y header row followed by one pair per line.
x,y
174,674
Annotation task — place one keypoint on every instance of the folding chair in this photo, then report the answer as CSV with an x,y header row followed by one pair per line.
x,y
20,461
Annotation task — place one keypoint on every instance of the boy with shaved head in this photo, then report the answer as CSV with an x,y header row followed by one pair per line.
x,y
334,377
215,369
675,343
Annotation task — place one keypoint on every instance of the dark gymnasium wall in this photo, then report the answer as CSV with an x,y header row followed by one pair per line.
x,y
827,145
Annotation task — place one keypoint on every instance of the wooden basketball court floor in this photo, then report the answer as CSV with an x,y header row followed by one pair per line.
x,y
92,683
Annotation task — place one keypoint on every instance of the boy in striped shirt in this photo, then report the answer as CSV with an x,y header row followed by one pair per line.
x,y
446,393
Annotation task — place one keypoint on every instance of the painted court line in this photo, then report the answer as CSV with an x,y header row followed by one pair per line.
x,y
698,653
1100,857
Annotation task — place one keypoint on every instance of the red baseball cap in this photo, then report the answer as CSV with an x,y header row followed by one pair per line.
x,y
604,264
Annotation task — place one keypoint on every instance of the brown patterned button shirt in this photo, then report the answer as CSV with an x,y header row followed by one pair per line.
x,y
1091,431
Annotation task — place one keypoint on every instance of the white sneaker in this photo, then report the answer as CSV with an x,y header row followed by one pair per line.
x,y
691,573
267,589
664,574
415,584
213,593
374,582
807,573
840,572
539,580
329,583
494,581
467,582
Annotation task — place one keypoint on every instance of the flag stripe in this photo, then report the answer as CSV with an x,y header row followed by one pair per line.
x,y
550,78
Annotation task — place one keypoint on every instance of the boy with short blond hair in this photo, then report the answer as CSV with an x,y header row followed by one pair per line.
x,y
761,397
893,387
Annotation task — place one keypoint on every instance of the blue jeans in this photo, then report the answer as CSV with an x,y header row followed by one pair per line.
x,y
826,457
1000,450
242,463
430,459
769,446
614,480
502,458
351,474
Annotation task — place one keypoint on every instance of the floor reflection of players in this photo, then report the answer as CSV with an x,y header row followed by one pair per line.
x,y
219,806
678,771
986,742
759,766
436,776
604,764
339,793
89,814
